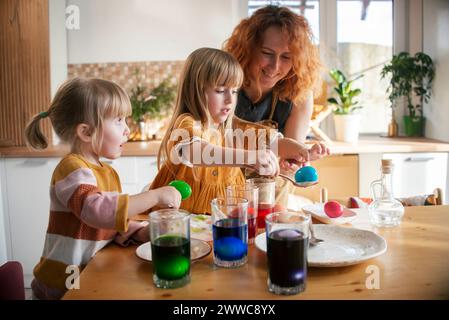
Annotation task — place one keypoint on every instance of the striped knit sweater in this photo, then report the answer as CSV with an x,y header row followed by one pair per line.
x,y
86,211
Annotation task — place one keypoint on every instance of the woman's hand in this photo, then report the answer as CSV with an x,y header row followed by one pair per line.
x,y
293,151
318,151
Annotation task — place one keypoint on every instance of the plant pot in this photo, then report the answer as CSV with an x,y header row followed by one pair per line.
x,y
347,127
414,126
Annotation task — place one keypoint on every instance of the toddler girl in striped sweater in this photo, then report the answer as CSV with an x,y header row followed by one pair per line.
x,y
87,207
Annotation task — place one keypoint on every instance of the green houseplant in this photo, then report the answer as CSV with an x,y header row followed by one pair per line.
x,y
346,117
149,107
411,78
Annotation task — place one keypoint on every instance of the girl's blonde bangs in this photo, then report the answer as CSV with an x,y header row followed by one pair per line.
x,y
228,75
119,104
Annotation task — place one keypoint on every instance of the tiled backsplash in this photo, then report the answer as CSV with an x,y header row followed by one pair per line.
x,y
151,73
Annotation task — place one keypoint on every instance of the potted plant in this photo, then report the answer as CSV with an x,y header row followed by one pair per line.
x,y
149,107
411,78
346,117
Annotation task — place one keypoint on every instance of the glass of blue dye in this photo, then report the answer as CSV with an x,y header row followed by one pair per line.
x,y
230,231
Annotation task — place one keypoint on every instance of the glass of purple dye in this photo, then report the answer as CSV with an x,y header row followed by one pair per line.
x,y
287,235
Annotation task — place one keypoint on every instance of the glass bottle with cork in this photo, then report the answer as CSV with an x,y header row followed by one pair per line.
x,y
385,210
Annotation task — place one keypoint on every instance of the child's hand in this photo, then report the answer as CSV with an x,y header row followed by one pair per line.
x,y
168,197
143,235
318,151
267,163
288,167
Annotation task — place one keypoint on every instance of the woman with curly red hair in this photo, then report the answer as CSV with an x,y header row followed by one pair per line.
x,y
281,71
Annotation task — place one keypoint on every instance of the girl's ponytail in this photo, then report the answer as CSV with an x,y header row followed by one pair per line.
x,y
33,133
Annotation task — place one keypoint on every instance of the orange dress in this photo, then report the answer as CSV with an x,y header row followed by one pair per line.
x,y
207,182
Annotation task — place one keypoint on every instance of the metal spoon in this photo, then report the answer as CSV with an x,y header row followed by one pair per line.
x,y
313,241
298,184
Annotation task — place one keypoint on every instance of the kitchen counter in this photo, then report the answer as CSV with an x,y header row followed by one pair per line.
x,y
366,144
147,148
414,267
376,144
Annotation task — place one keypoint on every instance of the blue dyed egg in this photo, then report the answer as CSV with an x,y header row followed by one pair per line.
x,y
230,248
306,174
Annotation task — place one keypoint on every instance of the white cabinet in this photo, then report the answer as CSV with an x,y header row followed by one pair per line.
x,y
414,173
418,173
26,183
134,172
25,195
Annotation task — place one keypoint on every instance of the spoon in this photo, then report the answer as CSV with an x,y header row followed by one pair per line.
x,y
305,184
313,241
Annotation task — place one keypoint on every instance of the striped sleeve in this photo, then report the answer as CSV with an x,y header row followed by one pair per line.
x,y
78,191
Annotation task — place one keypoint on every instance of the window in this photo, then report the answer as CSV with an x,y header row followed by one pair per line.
x,y
357,37
364,45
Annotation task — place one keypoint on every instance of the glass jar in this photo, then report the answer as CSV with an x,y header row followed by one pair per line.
x,y
385,210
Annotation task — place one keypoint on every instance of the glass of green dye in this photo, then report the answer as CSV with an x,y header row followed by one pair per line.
x,y
170,247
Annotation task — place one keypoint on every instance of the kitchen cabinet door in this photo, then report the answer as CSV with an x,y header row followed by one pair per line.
x,y
338,173
413,173
27,182
134,172
126,170
146,170
418,173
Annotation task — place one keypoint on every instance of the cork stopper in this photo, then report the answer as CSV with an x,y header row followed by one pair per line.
x,y
387,165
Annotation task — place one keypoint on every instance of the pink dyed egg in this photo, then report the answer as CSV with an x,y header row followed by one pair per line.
x,y
333,209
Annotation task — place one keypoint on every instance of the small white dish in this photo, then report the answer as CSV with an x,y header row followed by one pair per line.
x,y
198,250
317,211
201,227
341,247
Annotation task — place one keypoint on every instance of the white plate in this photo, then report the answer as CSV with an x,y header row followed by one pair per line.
x,y
201,227
317,211
198,250
341,247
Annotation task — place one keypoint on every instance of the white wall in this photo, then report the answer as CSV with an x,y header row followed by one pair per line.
x,y
436,44
149,30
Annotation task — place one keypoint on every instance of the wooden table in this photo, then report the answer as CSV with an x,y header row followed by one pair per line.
x,y
415,266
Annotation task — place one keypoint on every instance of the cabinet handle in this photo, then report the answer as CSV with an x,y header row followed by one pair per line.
x,y
35,162
424,159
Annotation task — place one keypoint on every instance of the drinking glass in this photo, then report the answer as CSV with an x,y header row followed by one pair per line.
x,y
230,231
267,198
251,193
287,244
170,247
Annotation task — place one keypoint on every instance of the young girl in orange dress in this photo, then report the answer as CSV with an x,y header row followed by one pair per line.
x,y
193,148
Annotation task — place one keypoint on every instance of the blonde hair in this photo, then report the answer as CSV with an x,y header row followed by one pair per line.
x,y
77,101
204,68
247,37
